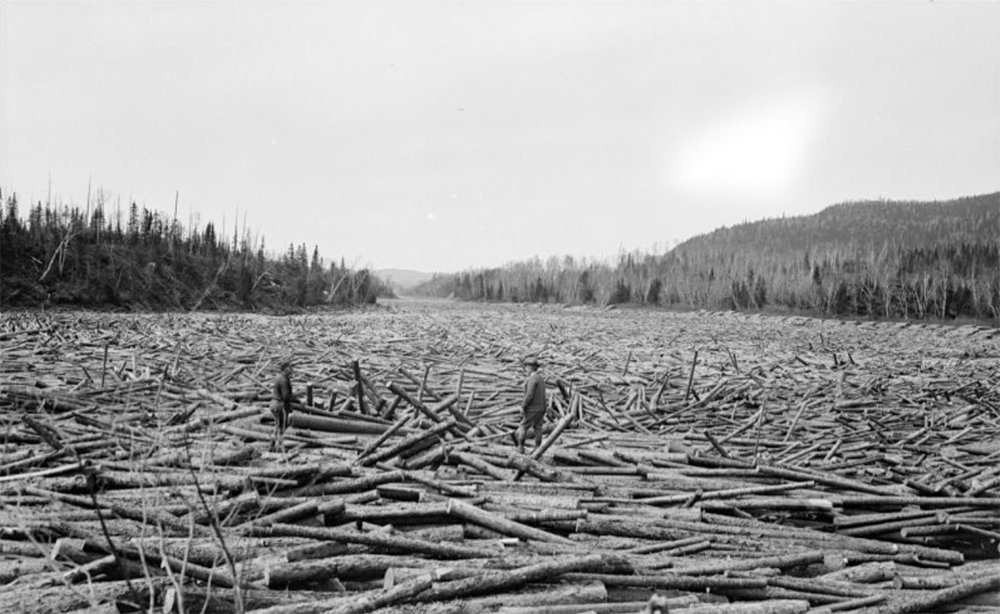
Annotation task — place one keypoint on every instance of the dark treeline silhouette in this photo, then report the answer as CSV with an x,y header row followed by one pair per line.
x,y
876,259
139,258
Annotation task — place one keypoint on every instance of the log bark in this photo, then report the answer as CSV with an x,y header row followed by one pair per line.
x,y
503,525
336,425
777,606
410,442
507,580
392,430
63,598
929,600
389,542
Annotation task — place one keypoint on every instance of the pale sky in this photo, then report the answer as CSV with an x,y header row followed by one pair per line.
x,y
440,136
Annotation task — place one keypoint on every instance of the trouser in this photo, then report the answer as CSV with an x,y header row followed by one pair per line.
x,y
280,412
533,419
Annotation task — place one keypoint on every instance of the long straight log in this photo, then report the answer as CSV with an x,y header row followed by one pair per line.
x,y
851,604
306,509
669,581
63,598
740,526
506,580
377,540
819,585
927,601
725,494
392,513
336,425
43,473
829,480
146,515
898,501
344,567
536,598
503,525
779,562
359,484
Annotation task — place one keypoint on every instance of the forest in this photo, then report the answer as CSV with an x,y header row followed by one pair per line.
x,y
875,259
92,257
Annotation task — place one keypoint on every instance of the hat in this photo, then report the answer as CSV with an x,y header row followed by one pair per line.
x,y
531,360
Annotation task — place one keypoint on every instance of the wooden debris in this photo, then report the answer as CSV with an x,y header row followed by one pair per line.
x,y
745,463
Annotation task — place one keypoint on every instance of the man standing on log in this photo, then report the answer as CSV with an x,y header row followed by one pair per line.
x,y
281,405
533,405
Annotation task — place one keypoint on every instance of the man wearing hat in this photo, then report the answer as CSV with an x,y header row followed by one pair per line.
x,y
533,405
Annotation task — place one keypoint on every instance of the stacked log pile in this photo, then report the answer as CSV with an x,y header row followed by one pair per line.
x,y
715,461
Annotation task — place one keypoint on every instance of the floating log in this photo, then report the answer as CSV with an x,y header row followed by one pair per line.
x,y
718,465
335,425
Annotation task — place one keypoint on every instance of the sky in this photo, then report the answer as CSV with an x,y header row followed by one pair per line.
x,y
443,136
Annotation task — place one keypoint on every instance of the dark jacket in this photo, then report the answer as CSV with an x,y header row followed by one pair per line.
x,y
282,392
534,393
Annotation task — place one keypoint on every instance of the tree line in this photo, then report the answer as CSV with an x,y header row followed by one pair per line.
x,y
878,259
142,258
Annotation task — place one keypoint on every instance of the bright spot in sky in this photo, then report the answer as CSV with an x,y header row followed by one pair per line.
x,y
430,216
758,151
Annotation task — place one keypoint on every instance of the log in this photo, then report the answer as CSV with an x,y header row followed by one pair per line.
x,y
145,515
410,442
315,551
535,597
480,465
669,581
866,573
306,509
389,542
62,598
898,451
929,600
336,425
356,485
506,580
775,606
385,597
503,525
392,430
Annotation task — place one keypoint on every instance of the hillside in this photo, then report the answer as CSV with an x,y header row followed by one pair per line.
x,y
861,226
142,259
909,260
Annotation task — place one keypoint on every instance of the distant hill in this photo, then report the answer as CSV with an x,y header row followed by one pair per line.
x,y
878,259
854,226
402,279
